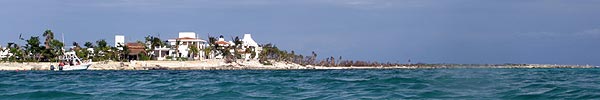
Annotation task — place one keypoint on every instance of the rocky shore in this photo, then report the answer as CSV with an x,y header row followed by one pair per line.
x,y
250,65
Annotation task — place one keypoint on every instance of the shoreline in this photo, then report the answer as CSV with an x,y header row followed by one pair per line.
x,y
218,64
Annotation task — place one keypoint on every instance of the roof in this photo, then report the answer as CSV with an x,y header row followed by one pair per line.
x,y
187,34
187,39
248,41
222,42
135,48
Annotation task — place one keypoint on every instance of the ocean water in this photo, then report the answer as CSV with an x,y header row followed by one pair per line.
x,y
304,84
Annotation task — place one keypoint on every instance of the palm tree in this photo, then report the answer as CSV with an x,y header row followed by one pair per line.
x,y
101,49
16,51
207,52
313,58
55,51
77,47
89,45
177,42
212,40
124,53
193,50
102,44
238,42
340,60
148,40
33,48
154,42
332,63
49,37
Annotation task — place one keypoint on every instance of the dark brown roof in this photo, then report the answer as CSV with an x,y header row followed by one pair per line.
x,y
135,48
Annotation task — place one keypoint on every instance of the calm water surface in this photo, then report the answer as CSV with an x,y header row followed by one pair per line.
x,y
304,84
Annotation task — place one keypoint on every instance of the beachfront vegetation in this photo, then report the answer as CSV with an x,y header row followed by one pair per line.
x,y
271,52
52,49
33,52
153,42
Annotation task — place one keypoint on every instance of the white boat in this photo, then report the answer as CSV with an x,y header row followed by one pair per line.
x,y
71,62
75,67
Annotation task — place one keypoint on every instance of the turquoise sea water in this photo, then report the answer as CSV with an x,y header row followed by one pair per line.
x,y
304,84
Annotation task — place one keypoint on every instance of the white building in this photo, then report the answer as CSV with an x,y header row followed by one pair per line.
x,y
181,47
5,52
119,40
247,43
186,41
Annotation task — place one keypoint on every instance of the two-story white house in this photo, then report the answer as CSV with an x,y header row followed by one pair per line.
x,y
181,47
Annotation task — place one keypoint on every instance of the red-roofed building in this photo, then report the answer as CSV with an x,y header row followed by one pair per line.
x,y
134,50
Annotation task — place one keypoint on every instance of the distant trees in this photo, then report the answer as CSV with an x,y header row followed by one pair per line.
x,y
33,50
53,48
49,37
207,52
212,45
101,50
56,50
177,42
153,43
193,50
238,42
89,45
271,52
87,53
238,46
18,53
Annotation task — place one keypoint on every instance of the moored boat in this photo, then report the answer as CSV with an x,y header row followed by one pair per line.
x,y
70,62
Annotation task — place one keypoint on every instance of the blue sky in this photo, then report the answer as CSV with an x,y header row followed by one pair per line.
x,y
429,31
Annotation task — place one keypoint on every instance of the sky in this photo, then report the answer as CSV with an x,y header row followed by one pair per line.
x,y
426,31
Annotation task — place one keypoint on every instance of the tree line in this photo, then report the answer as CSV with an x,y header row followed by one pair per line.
x,y
52,50
271,52
32,51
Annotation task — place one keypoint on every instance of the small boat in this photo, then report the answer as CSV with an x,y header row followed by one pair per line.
x,y
71,68
76,67
71,62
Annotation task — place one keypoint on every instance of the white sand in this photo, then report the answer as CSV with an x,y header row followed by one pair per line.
x,y
219,64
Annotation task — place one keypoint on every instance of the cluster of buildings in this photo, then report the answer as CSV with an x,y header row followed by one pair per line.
x,y
181,47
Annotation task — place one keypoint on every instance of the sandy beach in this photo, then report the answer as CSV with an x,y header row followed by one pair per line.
x,y
217,64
